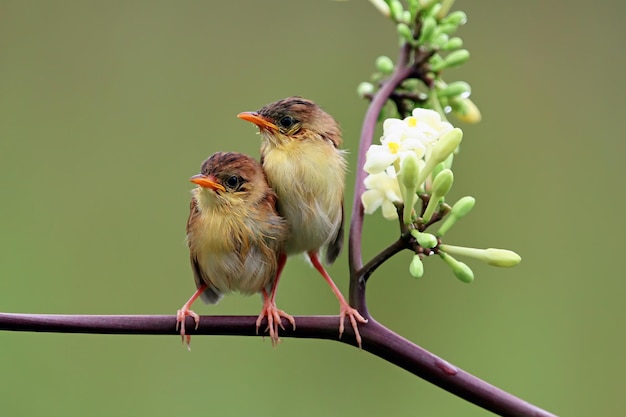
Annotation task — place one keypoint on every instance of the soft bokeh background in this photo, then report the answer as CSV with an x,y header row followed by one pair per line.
x,y
107,108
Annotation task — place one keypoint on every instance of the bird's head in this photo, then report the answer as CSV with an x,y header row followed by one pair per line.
x,y
230,179
294,118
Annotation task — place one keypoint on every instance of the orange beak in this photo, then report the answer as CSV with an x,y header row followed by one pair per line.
x,y
207,182
257,119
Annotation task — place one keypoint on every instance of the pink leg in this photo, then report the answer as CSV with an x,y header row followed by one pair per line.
x,y
186,311
345,309
270,310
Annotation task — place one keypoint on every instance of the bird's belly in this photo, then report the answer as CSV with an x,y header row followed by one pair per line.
x,y
229,272
310,187
312,222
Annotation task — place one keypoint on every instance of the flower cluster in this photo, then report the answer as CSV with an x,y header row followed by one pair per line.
x,y
417,137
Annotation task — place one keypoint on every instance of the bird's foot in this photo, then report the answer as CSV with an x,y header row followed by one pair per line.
x,y
274,316
180,322
354,316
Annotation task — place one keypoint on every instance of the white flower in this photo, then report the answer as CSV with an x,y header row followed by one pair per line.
x,y
379,157
382,191
415,133
430,124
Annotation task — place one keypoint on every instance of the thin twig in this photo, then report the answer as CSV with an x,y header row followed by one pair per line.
x,y
379,259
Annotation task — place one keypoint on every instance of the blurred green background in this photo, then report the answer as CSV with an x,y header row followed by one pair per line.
x,y
107,108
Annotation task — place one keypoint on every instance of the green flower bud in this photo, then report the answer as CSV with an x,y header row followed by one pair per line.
x,y
439,39
502,257
462,207
446,145
465,109
425,240
494,257
365,89
416,268
436,61
440,152
458,211
405,32
411,84
441,185
384,64
460,270
408,176
406,16
428,27
456,88
453,59
455,18
432,10
453,43
447,28
443,182
456,58
396,10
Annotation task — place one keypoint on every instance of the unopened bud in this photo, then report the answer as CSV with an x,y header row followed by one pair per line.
x,y
460,270
416,267
428,27
457,88
458,211
440,152
495,257
446,145
453,59
384,64
396,10
408,176
457,18
425,240
365,89
441,185
453,43
405,32
465,109
447,28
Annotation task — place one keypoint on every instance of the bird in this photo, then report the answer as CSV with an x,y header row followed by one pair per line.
x,y
303,163
235,237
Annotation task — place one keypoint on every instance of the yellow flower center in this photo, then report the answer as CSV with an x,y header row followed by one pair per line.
x,y
411,121
394,147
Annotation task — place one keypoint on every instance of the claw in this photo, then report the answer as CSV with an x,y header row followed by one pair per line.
x,y
274,316
354,316
180,323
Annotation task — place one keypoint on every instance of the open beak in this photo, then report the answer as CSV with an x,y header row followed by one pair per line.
x,y
207,182
257,119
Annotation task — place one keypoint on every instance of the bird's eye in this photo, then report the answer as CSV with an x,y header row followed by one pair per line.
x,y
232,181
287,122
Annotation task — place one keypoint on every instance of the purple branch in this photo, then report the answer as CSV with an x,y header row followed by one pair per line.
x,y
377,340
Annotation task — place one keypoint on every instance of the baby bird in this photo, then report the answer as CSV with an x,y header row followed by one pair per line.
x,y
235,237
304,165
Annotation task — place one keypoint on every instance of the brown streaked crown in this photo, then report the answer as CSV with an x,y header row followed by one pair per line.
x,y
237,172
294,116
